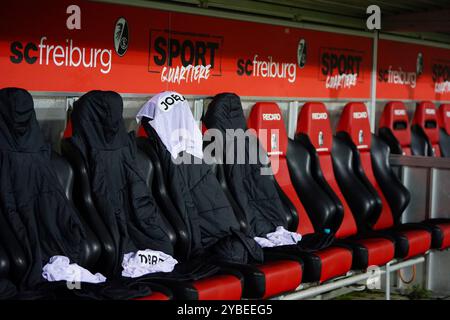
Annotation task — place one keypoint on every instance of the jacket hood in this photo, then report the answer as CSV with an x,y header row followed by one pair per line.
x,y
225,112
97,116
19,128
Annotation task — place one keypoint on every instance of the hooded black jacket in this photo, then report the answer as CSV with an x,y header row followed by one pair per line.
x,y
32,200
119,190
255,194
203,206
117,186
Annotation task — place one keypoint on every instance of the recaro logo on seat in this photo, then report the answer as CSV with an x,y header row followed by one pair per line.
x,y
430,111
399,112
271,116
319,116
360,115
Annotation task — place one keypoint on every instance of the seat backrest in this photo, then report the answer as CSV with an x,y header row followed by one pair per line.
x,y
266,119
83,200
314,129
425,124
394,128
43,216
4,263
246,166
354,127
65,176
444,129
156,181
64,173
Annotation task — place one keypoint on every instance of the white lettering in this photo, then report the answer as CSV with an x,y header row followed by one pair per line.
x,y
72,56
360,115
399,112
186,74
272,69
319,116
271,116
341,81
401,77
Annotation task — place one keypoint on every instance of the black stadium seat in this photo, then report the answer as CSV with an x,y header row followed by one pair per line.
x,y
320,265
85,204
7,288
216,286
369,165
4,263
65,176
14,256
224,286
416,143
395,130
314,132
275,276
42,212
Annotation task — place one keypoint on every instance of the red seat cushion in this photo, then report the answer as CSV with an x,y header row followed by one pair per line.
x,y
445,229
220,287
336,261
380,251
419,242
154,296
281,276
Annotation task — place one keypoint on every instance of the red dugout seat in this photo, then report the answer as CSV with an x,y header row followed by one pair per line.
x,y
392,132
394,128
389,196
226,285
314,131
275,276
267,120
425,126
443,117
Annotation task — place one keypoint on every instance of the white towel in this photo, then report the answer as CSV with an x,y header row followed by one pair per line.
x,y
136,264
280,237
59,268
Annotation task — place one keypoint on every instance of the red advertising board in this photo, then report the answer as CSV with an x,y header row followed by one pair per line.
x,y
411,71
138,50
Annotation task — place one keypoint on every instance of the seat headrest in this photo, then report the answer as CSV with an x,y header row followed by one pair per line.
x,y
395,118
425,116
354,121
97,119
225,112
313,121
19,129
444,117
266,118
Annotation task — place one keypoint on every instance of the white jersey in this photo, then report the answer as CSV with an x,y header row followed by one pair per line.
x,y
172,119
